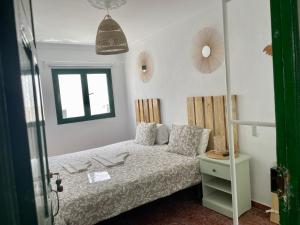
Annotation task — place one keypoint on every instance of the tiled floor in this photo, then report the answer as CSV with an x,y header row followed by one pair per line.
x,y
182,209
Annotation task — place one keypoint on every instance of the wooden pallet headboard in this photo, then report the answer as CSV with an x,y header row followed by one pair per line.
x,y
210,112
147,110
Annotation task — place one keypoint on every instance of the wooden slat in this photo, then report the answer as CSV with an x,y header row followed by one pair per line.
x,y
151,113
209,119
137,112
210,112
191,111
199,112
156,110
146,111
219,116
141,110
235,127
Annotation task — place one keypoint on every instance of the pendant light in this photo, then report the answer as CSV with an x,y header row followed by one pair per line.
x,y
110,37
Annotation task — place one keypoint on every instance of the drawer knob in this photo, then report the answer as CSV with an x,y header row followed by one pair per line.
x,y
214,170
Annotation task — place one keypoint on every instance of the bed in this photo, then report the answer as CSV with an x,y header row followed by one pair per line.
x,y
149,173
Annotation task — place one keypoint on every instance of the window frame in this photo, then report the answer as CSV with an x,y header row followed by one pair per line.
x,y
85,94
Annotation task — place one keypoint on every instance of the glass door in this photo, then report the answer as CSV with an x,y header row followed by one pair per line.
x,y
33,109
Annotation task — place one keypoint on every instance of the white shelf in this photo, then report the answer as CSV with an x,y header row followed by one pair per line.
x,y
220,202
219,184
221,198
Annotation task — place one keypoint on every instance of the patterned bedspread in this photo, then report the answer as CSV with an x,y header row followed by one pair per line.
x,y
149,173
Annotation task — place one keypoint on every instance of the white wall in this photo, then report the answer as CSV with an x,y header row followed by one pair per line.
x,y
73,137
250,32
175,78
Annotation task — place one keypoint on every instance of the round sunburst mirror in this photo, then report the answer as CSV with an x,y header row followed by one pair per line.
x,y
208,50
145,66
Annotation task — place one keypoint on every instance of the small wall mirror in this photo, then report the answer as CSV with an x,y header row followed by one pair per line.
x,y
206,51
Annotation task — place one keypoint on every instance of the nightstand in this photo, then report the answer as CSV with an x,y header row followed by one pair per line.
x,y
216,184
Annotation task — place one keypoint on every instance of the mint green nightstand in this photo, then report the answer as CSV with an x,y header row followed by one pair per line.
x,y
216,184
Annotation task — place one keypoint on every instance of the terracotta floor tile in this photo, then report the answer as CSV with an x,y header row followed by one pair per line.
x,y
183,209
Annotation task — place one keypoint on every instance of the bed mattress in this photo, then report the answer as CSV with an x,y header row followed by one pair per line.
x,y
149,173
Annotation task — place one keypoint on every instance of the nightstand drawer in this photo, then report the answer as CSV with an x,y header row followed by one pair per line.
x,y
215,169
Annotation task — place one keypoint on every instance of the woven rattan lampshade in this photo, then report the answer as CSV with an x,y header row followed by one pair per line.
x,y
110,38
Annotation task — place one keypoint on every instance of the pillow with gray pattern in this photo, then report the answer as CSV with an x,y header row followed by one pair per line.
x,y
145,134
184,139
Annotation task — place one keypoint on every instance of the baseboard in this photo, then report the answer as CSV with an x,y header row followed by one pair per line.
x,y
260,206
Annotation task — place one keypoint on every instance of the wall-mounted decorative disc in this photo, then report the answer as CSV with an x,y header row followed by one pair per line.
x,y
145,66
208,50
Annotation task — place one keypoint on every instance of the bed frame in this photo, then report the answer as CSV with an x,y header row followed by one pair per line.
x,y
210,112
147,110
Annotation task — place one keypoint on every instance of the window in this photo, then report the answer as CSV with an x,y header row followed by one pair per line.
x,y
83,94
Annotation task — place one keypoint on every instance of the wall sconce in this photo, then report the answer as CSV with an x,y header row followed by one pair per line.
x,y
144,68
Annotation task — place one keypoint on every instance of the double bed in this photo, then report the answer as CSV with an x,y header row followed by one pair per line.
x,y
149,173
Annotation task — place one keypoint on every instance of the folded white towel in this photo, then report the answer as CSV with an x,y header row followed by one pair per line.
x,y
110,160
69,168
105,162
76,166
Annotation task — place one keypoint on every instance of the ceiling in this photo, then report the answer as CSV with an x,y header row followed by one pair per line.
x,y
76,21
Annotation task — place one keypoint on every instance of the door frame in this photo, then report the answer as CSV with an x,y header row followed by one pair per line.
x,y
16,182
286,64
8,197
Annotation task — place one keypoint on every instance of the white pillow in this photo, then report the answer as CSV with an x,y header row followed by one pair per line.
x,y
162,134
203,141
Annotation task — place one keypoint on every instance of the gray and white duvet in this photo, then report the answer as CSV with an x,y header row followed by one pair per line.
x,y
149,173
